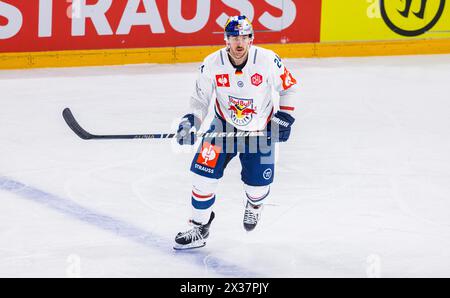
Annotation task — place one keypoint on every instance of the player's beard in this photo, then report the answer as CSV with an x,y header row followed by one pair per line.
x,y
240,53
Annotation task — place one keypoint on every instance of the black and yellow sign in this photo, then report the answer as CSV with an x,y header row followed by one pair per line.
x,y
369,20
411,17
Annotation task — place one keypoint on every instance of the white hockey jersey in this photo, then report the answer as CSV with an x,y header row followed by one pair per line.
x,y
243,99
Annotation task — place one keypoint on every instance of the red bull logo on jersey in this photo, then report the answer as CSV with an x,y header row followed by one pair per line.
x,y
242,110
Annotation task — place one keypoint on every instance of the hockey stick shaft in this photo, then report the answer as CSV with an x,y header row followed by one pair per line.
x,y
79,131
83,134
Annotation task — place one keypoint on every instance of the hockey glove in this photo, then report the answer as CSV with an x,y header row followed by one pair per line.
x,y
187,130
280,126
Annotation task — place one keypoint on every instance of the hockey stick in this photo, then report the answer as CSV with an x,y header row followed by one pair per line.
x,y
79,131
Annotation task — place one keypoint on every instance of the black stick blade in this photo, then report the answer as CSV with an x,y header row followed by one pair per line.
x,y
73,124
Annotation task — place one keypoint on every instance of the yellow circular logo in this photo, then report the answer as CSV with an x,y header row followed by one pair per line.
x,y
411,17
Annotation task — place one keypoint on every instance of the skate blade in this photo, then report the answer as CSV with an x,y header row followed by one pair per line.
x,y
249,229
189,246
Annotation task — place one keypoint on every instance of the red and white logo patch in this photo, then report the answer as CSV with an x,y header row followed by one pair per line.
x,y
223,80
242,110
257,79
209,155
288,79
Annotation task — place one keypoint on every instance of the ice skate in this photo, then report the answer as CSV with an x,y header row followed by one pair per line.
x,y
195,237
251,216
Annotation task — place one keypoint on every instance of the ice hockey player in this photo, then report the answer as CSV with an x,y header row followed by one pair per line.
x,y
243,78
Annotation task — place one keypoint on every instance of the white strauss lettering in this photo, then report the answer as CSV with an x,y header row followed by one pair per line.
x,y
244,7
14,17
150,17
45,18
96,13
287,19
189,26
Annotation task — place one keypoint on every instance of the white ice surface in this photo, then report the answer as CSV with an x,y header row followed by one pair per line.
x,y
361,189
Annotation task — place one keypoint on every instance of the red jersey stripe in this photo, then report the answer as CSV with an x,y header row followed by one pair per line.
x,y
286,108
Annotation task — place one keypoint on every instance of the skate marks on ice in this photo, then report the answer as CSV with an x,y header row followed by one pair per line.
x,y
407,185
121,228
